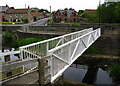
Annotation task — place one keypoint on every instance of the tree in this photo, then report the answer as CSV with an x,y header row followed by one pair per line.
x,y
109,12
117,12
12,8
35,19
43,11
33,11
80,12
92,18
66,9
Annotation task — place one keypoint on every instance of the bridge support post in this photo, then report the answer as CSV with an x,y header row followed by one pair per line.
x,y
41,72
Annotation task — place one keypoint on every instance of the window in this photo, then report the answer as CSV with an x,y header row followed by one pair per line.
x,y
65,14
60,19
65,19
74,14
10,16
74,19
15,15
7,58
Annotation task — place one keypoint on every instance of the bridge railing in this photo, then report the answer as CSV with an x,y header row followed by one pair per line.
x,y
41,48
60,52
63,56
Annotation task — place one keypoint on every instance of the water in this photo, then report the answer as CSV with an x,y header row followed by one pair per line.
x,y
90,75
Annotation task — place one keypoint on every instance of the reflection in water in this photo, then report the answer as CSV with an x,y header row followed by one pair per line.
x,y
90,75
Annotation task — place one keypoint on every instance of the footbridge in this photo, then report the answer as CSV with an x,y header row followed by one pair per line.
x,y
50,58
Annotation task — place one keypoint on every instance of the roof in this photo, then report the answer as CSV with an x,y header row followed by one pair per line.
x,y
90,10
34,8
37,14
3,8
10,11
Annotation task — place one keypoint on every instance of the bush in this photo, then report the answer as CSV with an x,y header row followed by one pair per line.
x,y
75,24
14,20
6,21
115,71
25,20
50,20
93,50
8,37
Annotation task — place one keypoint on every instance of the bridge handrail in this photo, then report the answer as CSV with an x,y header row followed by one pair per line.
x,y
54,49
90,29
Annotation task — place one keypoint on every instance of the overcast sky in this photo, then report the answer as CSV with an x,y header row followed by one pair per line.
x,y
55,4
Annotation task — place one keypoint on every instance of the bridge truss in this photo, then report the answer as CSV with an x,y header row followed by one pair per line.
x,y
59,52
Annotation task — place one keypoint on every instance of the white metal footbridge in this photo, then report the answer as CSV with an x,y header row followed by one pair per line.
x,y
53,56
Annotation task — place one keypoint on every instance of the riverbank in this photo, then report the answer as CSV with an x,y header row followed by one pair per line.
x,y
101,56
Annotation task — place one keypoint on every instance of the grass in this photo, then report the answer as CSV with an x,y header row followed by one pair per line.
x,y
115,70
11,22
25,41
94,50
75,24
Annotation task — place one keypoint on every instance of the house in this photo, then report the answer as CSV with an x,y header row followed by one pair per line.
x,y
15,15
34,9
90,11
3,9
65,15
37,16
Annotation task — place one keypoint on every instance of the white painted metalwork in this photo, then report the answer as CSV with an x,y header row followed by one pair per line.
x,y
60,52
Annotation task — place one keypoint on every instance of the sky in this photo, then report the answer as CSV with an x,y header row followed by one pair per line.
x,y
55,4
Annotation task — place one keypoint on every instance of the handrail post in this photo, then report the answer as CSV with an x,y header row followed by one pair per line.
x,y
21,57
41,72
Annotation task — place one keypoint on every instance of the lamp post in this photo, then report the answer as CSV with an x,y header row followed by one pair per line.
x,y
50,13
99,12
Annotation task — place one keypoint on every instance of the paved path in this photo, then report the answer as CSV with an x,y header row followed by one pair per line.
x,y
41,22
26,79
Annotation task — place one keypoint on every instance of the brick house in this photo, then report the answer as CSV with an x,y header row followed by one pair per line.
x,y
65,15
18,15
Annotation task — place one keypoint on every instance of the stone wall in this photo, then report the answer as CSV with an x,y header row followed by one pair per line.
x,y
109,42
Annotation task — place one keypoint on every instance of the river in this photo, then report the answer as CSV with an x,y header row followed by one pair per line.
x,y
93,74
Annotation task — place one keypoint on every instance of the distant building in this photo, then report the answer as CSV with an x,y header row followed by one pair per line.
x,y
65,15
34,9
37,16
90,11
3,9
18,15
